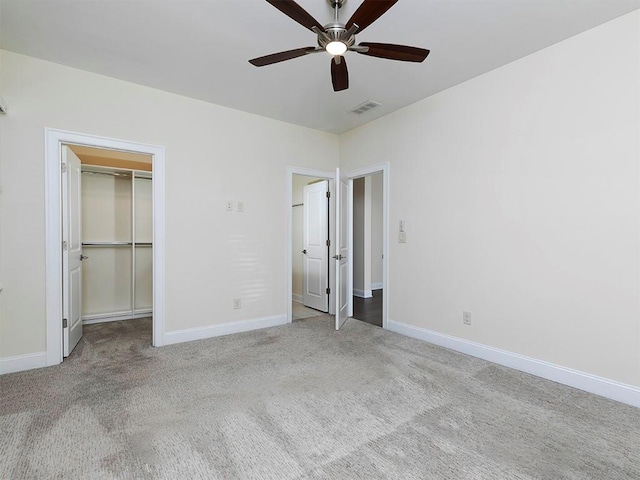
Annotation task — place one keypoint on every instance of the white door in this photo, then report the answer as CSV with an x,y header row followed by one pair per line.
x,y
343,257
71,250
315,256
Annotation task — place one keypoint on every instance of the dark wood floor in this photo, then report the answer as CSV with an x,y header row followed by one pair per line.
x,y
369,309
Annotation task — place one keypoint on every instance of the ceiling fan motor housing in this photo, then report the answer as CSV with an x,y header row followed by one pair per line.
x,y
335,32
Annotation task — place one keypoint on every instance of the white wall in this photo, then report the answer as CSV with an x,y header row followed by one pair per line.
x,y
213,154
521,196
297,194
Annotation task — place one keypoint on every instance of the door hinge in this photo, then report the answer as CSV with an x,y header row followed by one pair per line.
x,y
328,243
64,168
328,194
64,245
64,323
328,291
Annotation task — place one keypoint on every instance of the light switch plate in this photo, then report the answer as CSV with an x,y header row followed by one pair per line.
x,y
402,237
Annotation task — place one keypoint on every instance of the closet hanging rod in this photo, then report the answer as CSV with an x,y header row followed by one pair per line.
x,y
106,244
111,174
144,244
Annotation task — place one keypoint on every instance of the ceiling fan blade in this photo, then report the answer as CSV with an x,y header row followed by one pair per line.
x,y
368,12
395,52
339,75
296,12
282,56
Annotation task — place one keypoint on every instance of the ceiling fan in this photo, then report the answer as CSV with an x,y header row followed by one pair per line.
x,y
337,38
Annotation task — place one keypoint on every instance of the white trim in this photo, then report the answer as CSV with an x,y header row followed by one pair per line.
x,y
584,381
116,316
363,172
200,333
53,256
23,362
309,172
377,286
297,298
362,293
350,248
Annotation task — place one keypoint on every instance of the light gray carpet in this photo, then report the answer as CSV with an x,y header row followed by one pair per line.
x,y
302,401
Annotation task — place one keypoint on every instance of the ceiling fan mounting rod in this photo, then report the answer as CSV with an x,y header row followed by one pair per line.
x,y
336,5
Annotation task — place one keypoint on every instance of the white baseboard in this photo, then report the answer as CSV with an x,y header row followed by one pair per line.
x,y
115,317
584,381
377,286
297,298
23,362
200,333
362,293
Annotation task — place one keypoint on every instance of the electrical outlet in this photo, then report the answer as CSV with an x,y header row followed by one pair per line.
x,y
237,303
240,206
228,206
466,318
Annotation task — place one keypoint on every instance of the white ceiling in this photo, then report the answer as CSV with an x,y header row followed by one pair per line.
x,y
201,48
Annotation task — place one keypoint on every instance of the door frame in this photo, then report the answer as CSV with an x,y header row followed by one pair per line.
x,y
360,173
325,175
54,139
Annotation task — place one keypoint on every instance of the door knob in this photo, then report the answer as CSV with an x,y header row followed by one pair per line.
x,y
83,257
340,257
304,251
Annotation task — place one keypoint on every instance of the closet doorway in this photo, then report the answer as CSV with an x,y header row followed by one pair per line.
x,y
107,226
310,227
311,272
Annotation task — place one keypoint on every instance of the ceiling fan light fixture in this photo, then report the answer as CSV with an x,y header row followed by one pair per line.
x,y
336,48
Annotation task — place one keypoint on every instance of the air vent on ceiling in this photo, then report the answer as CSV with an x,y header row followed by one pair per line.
x,y
365,107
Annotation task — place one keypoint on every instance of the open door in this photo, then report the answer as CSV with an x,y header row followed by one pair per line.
x,y
71,250
316,249
342,257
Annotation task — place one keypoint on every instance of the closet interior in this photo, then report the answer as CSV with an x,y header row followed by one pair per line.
x,y
117,243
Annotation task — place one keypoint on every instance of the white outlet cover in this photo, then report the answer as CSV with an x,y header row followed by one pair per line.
x,y
240,206
228,206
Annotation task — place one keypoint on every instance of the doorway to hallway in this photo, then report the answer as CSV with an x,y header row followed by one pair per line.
x,y
368,240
